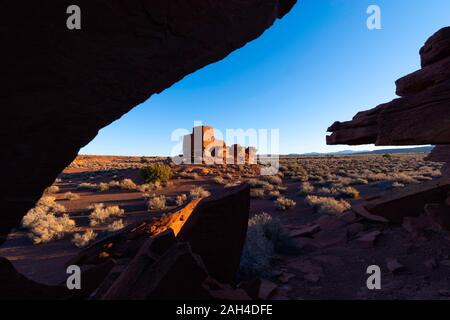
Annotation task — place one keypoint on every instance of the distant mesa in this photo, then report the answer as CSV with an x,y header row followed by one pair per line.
x,y
201,147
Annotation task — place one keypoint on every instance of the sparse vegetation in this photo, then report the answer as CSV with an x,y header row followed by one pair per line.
x,y
265,237
82,240
199,192
257,193
327,205
71,196
47,222
156,172
115,225
180,199
283,203
305,189
102,214
157,203
51,189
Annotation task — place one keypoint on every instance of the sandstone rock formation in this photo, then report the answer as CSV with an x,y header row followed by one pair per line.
x,y
201,147
62,85
420,116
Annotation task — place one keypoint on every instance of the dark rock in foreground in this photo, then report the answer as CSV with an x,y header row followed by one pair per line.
x,y
61,86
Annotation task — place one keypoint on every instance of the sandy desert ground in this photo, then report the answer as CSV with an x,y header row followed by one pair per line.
x,y
321,251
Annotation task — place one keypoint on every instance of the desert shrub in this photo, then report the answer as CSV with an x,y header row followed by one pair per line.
x,y
87,186
305,189
128,184
274,194
300,178
327,192
49,204
82,240
255,183
388,184
103,187
327,205
115,225
376,177
349,192
232,184
180,199
198,192
188,175
219,180
402,177
156,172
146,187
157,203
276,180
51,189
46,221
396,184
256,193
102,214
71,196
283,203
265,237
113,184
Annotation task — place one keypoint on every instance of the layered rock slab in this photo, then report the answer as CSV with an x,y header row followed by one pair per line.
x,y
420,116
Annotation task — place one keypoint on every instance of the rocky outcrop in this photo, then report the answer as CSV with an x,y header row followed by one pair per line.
x,y
201,147
441,153
216,230
420,116
62,85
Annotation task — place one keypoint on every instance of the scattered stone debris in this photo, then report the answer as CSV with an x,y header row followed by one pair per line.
x,y
368,239
394,266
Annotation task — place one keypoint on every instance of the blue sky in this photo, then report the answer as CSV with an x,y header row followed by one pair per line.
x,y
318,64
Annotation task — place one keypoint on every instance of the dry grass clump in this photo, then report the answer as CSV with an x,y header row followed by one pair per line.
x,y
116,225
274,180
102,214
125,184
256,193
180,199
283,203
82,240
219,180
274,194
189,175
87,186
157,203
51,189
348,192
305,189
327,205
71,196
128,184
198,192
47,222
265,237
233,184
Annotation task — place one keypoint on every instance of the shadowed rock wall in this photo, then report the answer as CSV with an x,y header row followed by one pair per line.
x,y
62,86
